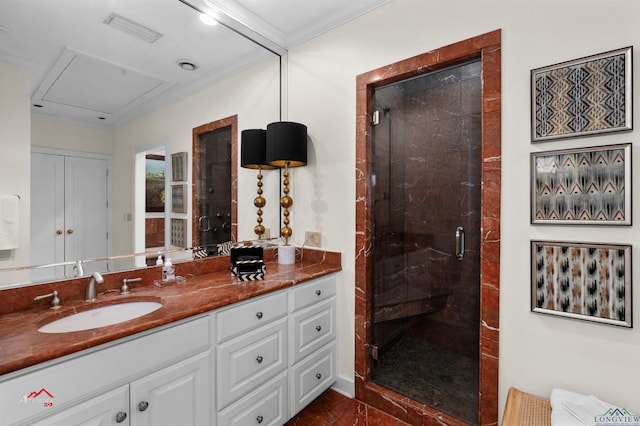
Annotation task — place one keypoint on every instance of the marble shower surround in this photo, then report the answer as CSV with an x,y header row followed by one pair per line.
x,y
488,48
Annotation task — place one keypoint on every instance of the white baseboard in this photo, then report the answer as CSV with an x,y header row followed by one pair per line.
x,y
345,385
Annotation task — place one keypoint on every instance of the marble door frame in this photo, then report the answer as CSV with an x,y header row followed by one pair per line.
x,y
486,47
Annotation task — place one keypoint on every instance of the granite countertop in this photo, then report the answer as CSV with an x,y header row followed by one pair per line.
x,y
209,286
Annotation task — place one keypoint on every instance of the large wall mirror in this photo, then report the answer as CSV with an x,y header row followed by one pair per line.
x,y
116,87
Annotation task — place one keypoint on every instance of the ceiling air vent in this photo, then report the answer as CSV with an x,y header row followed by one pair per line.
x,y
132,28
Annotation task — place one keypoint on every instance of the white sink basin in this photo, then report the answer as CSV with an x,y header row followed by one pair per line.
x,y
100,317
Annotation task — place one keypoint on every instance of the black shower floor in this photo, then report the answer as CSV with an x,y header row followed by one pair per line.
x,y
433,376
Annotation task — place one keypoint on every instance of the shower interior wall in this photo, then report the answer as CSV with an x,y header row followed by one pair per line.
x,y
419,285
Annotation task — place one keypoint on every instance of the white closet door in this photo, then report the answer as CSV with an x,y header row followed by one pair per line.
x,y
69,216
86,212
47,215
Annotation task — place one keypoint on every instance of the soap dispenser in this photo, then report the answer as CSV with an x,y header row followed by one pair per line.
x,y
168,271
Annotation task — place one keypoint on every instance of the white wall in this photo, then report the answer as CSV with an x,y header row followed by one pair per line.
x,y
47,133
252,95
15,134
537,352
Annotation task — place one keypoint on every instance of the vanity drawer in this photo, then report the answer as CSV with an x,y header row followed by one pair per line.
x,y
312,376
265,406
312,328
304,295
243,317
250,360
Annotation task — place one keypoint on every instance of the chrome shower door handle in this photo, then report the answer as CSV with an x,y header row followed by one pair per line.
x,y
204,224
460,242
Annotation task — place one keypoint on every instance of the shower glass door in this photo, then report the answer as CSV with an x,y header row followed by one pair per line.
x,y
427,180
213,187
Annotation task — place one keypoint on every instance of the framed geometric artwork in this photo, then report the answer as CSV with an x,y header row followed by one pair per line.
x,y
583,281
582,186
582,97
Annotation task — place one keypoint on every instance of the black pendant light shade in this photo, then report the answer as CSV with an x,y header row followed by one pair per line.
x,y
253,149
286,144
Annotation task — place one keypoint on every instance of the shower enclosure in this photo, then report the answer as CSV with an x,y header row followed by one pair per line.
x,y
427,156
213,177
427,194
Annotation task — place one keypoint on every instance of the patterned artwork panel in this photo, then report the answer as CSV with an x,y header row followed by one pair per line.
x,y
582,281
581,97
582,186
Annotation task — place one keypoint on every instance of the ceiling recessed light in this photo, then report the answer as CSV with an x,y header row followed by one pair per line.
x,y
187,65
207,19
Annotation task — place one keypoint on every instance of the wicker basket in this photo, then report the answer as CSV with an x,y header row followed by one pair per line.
x,y
524,409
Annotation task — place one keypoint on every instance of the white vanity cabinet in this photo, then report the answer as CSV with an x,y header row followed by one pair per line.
x,y
110,408
256,362
159,378
251,351
312,324
275,354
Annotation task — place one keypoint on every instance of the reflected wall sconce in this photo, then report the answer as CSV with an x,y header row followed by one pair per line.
x,y
286,147
253,148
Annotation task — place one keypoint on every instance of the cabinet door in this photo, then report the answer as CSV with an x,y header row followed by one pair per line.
x,y
176,395
111,408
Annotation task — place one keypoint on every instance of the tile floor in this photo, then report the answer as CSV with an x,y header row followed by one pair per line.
x,y
332,408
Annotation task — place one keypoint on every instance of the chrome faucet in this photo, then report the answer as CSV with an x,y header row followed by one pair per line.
x,y
90,293
77,268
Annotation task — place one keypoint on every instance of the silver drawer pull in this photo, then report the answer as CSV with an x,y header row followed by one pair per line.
x,y
121,417
259,315
259,419
318,376
318,328
259,359
318,292
143,406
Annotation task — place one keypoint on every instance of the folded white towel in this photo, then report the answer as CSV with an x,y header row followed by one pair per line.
x,y
574,409
9,222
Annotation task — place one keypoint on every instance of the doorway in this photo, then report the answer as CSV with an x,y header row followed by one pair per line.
x,y
426,278
70,212
427,244
152,178
215,153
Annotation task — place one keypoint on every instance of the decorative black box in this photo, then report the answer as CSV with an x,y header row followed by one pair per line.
x,y
247,263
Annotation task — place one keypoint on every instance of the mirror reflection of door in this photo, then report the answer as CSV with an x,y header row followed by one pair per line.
x,y
213,216
154,223
69,212
152,178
